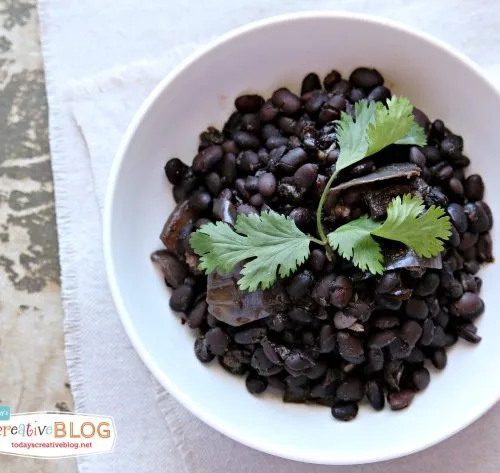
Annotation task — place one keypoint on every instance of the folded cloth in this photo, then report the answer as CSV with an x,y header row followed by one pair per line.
x,y
105,43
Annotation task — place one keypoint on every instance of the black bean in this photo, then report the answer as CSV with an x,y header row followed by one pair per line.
x,y
252,184
327,339
442,319
386,321
375,394
469,306
376,358
278,323
317,371
268,112
300,284
249,335
269,130
471,267
427,285
267,184
212,321
428,329
201,351
217,341
235,361
350,348
484,206
389,281
200,200
286,101
422,119
251,123
416,309
399,348
416,356
228,168
468,282
214,183
297,394
241,189
300,315
311,82
477,218
298,361
355,95
400,399
246,140
207,159
360,310
436,197
439,339
341,87
229,146
456,187
350,390
411,332
313,106
249,103
437,130
381,339
276,142
181,298
433,305
458,217
301,216
264,156
343,321
197,315
393,371
417,157
175,170
262,364
255,384
468,241
379,94
292,160
444,173
468,333
331,79
439,359
452,146
256,200
342,291
454,239
345,411
246,209
366,78
287,125
327,115
317,260
485,248
305,176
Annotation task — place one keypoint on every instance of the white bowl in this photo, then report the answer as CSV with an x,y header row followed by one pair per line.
x,y
200,92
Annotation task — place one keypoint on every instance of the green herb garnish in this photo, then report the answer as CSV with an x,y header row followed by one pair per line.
x,y
270,245
407,222
270,241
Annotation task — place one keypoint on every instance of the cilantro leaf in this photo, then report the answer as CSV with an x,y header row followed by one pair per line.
x,y
392,123
375,127
352,134
354,241
409,222
271,241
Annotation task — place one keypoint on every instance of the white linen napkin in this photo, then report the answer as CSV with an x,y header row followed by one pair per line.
x,y
87,119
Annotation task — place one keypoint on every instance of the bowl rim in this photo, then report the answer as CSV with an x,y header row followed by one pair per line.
x,y
125,318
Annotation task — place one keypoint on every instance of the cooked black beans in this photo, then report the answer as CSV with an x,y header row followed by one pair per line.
x,y
337,334
250,103
345,411
175,170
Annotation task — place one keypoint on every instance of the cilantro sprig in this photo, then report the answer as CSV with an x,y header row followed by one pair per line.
x,y
270,245
407,222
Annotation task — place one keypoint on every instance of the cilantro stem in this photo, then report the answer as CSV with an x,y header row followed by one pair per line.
x,y
319,211
315,240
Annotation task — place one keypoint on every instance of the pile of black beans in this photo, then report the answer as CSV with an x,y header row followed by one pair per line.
x,y
343,337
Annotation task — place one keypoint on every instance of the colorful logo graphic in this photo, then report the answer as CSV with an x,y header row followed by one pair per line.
x,y
55,435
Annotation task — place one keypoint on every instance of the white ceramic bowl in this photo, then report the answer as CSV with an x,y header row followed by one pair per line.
x,y
200,92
